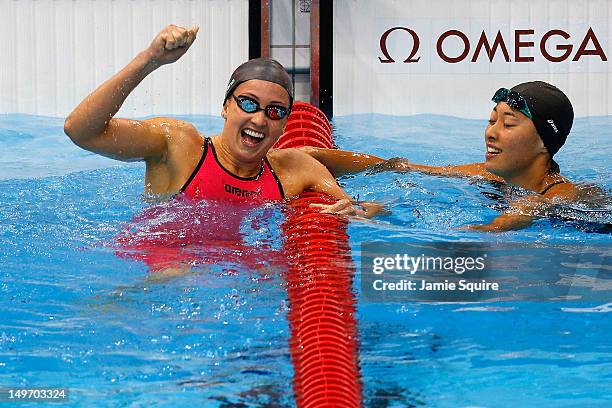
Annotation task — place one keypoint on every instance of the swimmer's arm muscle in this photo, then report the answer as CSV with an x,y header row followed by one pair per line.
x,y
504,222
463,170
340,162
303,173
322,181
91,125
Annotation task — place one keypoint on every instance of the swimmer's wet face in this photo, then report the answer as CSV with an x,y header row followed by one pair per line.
x,y
251,135
513,143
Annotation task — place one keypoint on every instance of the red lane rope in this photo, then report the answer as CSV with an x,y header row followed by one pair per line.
x,y
323,339
306,126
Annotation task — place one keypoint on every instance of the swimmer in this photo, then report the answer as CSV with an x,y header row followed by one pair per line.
x,y
238,164
527,127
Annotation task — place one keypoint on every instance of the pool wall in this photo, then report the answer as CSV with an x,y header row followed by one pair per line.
x,y
60,50
55,52
443,77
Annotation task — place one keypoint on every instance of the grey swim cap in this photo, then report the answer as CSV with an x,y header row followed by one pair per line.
x,y
265,69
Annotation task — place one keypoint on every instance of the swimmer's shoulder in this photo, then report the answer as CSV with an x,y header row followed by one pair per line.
x,y
181,137
296,170
184,150
593,196
173,128
291,160
588,194
560,188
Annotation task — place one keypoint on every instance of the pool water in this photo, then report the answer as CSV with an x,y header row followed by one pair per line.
x,y
80,312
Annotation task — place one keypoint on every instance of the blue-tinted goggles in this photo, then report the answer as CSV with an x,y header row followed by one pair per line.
x,y
514,99
249,105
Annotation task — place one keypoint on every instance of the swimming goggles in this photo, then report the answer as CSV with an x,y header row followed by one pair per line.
x,y
514,99
249,105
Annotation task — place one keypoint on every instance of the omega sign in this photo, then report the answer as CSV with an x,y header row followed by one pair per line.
x,y
561,46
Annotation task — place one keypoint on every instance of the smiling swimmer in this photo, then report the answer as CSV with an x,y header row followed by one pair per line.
x,y
239,163
527,127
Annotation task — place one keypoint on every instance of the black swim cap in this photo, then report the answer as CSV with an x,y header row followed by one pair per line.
x,y
552,112
265,69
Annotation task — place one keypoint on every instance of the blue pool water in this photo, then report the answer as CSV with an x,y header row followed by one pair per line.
x,y
78,313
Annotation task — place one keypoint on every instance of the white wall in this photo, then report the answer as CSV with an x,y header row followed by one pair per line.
x,y
54,52
362,84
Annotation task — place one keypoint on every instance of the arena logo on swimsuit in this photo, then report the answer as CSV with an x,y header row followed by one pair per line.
x,y
237,191
487,47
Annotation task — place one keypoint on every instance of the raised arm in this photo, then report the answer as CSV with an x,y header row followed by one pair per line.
x,y
91,125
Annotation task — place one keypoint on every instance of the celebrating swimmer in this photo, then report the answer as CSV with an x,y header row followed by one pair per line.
x,y
528,125
236,164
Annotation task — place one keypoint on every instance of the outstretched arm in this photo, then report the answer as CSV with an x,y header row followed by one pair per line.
x,y
91,124
340,162
462,170
324,182
300,172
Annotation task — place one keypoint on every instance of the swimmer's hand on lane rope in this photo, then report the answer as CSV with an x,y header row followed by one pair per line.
x,y
349,208
171,44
